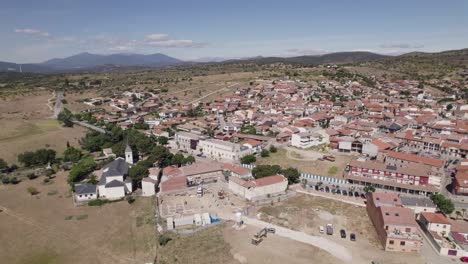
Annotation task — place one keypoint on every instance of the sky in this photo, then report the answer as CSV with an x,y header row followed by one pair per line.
x,y
37,30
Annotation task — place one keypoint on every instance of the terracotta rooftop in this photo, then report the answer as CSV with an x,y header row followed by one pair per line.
x,y
435,218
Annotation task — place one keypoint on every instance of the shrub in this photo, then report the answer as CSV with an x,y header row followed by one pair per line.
x,y
273,149
265,153
15,180
32,190
31,176
130,199
5,180
98,202
163,240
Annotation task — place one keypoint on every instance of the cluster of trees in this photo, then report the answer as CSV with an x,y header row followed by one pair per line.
x,y
445,205
248,159
83,168
292,174
72,154
65,117
195,112
162,157
38,157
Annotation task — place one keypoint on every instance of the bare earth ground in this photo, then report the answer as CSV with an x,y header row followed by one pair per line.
x,y
307,213
297,159
47,228
26,126
273,249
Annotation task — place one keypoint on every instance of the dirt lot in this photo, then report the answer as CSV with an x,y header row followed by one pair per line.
x,y
26,126
306,213
297,159
47,228
273,249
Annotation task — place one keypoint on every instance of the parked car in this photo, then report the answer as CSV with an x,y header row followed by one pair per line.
x,y
363,196
338,191
333,191
321,229
350,193
464,259
322,189
270,230
316,187
344,192
343,233
327,189
352,237
356,194
329,229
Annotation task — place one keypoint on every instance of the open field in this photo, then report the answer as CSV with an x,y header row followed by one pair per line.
x,y
306,213
297,159
47,228
26,126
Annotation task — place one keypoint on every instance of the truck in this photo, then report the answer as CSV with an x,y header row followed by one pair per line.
x,y
329,229
329,158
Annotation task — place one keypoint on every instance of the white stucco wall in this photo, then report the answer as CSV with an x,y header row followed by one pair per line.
x,y
148,188
115,192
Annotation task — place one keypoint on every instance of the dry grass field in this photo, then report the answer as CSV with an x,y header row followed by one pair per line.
x,y
48,228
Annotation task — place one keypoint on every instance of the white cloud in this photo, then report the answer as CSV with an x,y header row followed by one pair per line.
x,y
401,46
157,37
162,40
33,32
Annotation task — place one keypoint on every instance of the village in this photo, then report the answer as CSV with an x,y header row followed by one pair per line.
x,y
396,152
403,144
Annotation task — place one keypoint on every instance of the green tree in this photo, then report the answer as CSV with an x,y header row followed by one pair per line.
x,y
189,160
138,172
292,174
248,159
249,129
445,205
162,140
261,171
273,149
39,157
369,189
84,167
178,159
72,154
65,117
265,153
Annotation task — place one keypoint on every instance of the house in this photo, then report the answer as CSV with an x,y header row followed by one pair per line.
x,y
439,229
85,192
187,141
396,227
418,204
258,188
149,184
306,140
255,145
114,182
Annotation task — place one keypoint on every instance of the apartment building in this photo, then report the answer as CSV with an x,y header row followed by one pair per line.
x,y
396,227
306,140
223,150
410,180
187,141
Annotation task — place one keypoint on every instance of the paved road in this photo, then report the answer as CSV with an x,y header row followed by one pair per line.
x,y
95,128
331,247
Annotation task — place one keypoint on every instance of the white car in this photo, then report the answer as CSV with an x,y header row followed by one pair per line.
x,y
322,229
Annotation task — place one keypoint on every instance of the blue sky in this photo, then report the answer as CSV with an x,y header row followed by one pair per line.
x,y
37,30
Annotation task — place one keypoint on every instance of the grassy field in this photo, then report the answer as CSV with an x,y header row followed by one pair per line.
x,y
48,228
323,168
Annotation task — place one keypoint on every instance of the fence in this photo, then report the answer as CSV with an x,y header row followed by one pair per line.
x,y
309,176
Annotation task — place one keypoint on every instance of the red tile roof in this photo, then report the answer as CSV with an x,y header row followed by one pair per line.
x,y
435,218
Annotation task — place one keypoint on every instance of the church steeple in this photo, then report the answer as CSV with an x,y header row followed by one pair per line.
x,y
128,154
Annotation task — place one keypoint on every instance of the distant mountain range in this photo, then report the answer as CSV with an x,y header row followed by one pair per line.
x,y
94,62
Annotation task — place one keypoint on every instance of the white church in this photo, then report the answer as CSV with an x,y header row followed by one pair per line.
x,y
114,182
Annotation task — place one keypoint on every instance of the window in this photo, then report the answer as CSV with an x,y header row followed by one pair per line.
x,y
402,243
391,242
407,230
386,227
